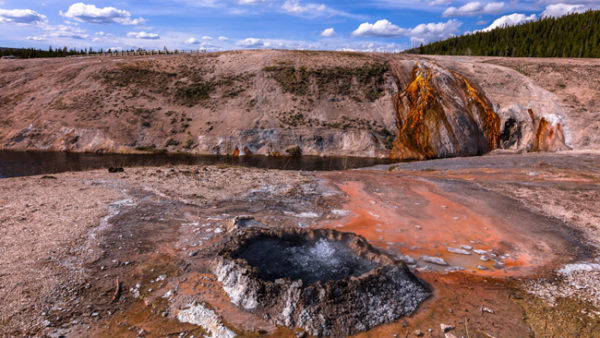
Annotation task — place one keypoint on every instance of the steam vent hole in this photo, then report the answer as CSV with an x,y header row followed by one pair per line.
x,y
310,261
325,282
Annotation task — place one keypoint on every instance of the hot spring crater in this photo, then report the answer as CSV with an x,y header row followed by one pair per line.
x,y
326,282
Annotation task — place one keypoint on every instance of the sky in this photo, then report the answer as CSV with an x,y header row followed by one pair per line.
x,y
367,25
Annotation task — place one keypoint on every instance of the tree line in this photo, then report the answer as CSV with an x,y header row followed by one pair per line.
x,y
573,35
28,53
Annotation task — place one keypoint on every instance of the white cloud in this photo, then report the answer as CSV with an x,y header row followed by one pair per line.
x,y
22,16
251,2
439,2
560,9
328,32
382,28
509,20
371,47
36,38
311,9
474,8
143,35
92,14
192,41
294,6
223,38
60,32
425,33
251,43
422,33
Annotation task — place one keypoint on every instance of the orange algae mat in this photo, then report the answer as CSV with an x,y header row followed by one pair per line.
x,y
417,217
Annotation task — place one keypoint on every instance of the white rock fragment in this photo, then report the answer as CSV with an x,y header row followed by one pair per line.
x,y
434,260
307,214
340,212
458,251
453,268
207,318
168,294
406,259
445,328
577,267
466,247
486,309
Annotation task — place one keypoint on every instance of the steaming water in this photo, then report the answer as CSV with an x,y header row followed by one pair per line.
x,y
23,163
322,260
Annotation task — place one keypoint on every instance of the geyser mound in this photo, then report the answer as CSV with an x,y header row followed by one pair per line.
x,y
323,281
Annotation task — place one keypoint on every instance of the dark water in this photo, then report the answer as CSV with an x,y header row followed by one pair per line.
x,y
322,260
24,163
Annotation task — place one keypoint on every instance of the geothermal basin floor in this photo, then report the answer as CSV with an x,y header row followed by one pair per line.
x,y
507,242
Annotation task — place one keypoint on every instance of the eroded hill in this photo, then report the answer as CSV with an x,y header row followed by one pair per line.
x,y
289,102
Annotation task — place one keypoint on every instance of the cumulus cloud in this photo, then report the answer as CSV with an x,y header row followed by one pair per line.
x,y
382,28
223,38
251,43
143,35
92,14
509,20
192,41
22,16
422,33
328,32
474,8
560,9
425,33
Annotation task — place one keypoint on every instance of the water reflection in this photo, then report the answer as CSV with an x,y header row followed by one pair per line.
x,y
24,163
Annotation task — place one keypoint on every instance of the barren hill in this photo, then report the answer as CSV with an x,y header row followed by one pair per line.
x,y
320,103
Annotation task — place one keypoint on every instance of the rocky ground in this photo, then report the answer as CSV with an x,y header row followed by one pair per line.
x,y
508,243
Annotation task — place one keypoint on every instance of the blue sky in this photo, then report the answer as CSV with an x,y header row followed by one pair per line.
x,y
368,25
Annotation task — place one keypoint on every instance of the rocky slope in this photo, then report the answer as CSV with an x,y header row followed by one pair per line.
x,y
289,102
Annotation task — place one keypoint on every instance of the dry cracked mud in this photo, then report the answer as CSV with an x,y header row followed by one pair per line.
x,y
508,244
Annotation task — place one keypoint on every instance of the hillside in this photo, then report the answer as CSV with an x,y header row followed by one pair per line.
x,y
289,102
574,35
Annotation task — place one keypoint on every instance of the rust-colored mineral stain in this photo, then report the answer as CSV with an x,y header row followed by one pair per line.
x,y
422,116
414,138
416,218
489,119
